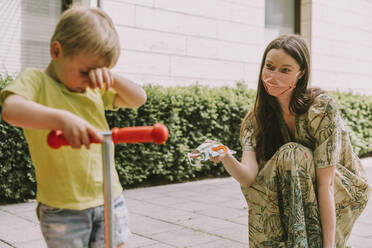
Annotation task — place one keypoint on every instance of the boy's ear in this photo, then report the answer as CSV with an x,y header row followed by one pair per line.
x,y
55,49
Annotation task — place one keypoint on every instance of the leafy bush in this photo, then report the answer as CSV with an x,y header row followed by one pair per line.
x,y
192,114
17,175
357,112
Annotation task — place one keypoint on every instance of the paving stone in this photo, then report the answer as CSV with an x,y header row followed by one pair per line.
x,y
158,245
169,201
146,226
237,233
31,244
239,204
362,230
208,224
21,234
192,206
222,212
18,208
171,215
184,238
243,220
359,242
221,244
4,245
201,214
136,241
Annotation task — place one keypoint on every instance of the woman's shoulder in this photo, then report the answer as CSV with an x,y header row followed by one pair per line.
x,y
322,99
250,118
322,102
323,106
248,123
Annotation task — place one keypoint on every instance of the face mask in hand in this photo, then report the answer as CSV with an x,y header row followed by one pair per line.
x,y
278,83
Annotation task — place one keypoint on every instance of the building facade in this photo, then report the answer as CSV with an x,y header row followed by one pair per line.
x,y
210,42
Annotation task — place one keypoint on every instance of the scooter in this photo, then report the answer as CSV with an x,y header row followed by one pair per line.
x,y
157,133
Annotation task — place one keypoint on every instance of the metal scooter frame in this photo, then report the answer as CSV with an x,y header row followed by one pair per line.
x,y
158,134
107,189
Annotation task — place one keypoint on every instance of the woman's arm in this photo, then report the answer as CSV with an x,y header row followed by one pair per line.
x,y
244,172
325,184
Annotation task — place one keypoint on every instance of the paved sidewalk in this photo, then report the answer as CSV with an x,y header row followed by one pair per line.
x,y
202,214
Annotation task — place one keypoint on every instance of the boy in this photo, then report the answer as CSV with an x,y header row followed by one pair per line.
x,y
71,95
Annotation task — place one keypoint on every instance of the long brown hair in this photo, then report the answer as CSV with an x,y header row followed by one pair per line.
x,y
266,111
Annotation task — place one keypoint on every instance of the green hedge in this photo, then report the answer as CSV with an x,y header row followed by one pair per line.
x,y
192,114
357,112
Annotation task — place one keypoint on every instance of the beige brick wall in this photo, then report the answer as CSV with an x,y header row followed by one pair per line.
x,y
341,42
218,42
213,42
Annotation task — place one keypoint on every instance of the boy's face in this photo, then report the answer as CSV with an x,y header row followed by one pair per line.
x,y
73,71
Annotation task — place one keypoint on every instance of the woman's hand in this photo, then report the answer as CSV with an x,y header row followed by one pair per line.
x,y
215,159
244,172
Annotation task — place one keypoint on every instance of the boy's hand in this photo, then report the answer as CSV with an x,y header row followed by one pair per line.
x,y
101,77
78,131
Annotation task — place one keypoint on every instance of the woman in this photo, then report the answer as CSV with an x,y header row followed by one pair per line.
x,y
298,172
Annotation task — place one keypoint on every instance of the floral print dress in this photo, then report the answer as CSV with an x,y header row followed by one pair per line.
x,y
282,202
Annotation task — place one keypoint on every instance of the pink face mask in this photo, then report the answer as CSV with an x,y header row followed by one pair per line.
x,y
278,83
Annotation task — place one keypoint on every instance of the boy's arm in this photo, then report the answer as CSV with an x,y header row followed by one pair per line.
x,y
21,112
129,94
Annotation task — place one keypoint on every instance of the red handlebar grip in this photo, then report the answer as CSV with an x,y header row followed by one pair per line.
x,y
157,134
56,139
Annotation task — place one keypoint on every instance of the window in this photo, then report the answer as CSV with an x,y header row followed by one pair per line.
x,y
66,4
281,17
90,3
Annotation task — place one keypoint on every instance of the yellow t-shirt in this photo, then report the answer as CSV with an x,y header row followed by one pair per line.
x,y
66,178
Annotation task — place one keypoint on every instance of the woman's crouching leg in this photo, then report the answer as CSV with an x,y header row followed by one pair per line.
x,y
283,209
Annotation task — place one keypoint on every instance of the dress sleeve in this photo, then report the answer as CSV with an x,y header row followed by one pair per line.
x,y
26,84
248,141
326,127
108,98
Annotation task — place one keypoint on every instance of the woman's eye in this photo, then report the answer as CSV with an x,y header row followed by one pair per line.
x,y
268,66
286,70
84,73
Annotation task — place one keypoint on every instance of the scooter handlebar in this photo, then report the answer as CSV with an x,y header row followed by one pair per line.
x,y
157,133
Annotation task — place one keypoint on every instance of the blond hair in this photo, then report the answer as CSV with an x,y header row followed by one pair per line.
x,y
88,30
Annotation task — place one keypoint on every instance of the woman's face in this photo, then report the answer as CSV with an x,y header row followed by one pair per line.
x,y
279,61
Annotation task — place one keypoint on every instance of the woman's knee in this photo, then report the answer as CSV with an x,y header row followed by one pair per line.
x,y
294,150
293,153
